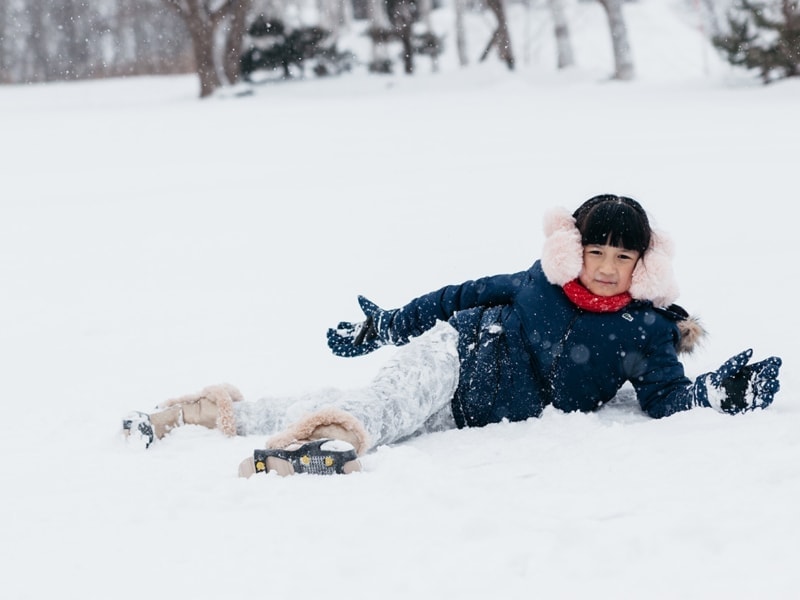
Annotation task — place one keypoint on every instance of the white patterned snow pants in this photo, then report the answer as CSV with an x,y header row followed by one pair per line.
x,y
411,394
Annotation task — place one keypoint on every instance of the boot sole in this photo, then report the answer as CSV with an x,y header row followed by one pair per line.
x,y
317,457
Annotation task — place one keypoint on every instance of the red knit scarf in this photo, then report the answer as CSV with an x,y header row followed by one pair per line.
x,y
583,298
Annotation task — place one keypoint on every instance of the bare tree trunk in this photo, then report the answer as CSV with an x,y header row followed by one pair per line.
x,y
57,53
461,39
203,42
235,39
129,56
623,60
565,56
401,15
4,62
38,71
789,10
345,17
77,29
501,39
202,21
378,20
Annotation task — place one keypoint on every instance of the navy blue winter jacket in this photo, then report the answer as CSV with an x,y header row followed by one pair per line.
x,y
523,345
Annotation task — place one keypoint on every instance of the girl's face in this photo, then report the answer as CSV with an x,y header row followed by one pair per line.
x,y
607,270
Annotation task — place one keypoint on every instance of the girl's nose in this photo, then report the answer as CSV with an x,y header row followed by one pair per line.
x,y
607,266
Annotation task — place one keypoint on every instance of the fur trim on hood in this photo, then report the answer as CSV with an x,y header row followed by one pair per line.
x,y
692,334
562,260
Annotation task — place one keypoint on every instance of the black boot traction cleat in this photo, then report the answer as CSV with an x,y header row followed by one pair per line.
x,y
317,457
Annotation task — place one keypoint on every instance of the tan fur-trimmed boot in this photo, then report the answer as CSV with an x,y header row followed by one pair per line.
x,y
211,407
326,441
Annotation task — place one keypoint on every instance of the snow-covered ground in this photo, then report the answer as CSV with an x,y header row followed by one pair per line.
x,y
151,244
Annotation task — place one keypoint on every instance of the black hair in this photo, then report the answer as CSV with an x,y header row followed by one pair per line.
x,y
614,220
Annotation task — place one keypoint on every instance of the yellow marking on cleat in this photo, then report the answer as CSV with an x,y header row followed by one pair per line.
x,y
260,466
306,460
328,461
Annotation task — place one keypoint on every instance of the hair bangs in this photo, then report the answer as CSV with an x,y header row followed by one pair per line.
x,y
615,222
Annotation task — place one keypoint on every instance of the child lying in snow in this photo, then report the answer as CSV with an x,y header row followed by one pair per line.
x,y
595,312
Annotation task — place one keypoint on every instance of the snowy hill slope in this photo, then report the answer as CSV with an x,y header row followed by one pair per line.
x,y
151,244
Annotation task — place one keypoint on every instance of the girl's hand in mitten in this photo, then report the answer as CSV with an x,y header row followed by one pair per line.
x,y
357,339
738,387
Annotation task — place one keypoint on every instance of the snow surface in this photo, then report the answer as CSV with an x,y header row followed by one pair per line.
x,y
151,244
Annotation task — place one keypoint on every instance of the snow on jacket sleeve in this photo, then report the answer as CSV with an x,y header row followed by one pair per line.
x,y
659,380
422,313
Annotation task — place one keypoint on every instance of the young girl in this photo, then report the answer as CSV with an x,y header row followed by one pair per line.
x,y
594,313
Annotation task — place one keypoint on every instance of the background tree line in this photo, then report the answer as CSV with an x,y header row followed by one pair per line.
x,y
79,39
52,40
